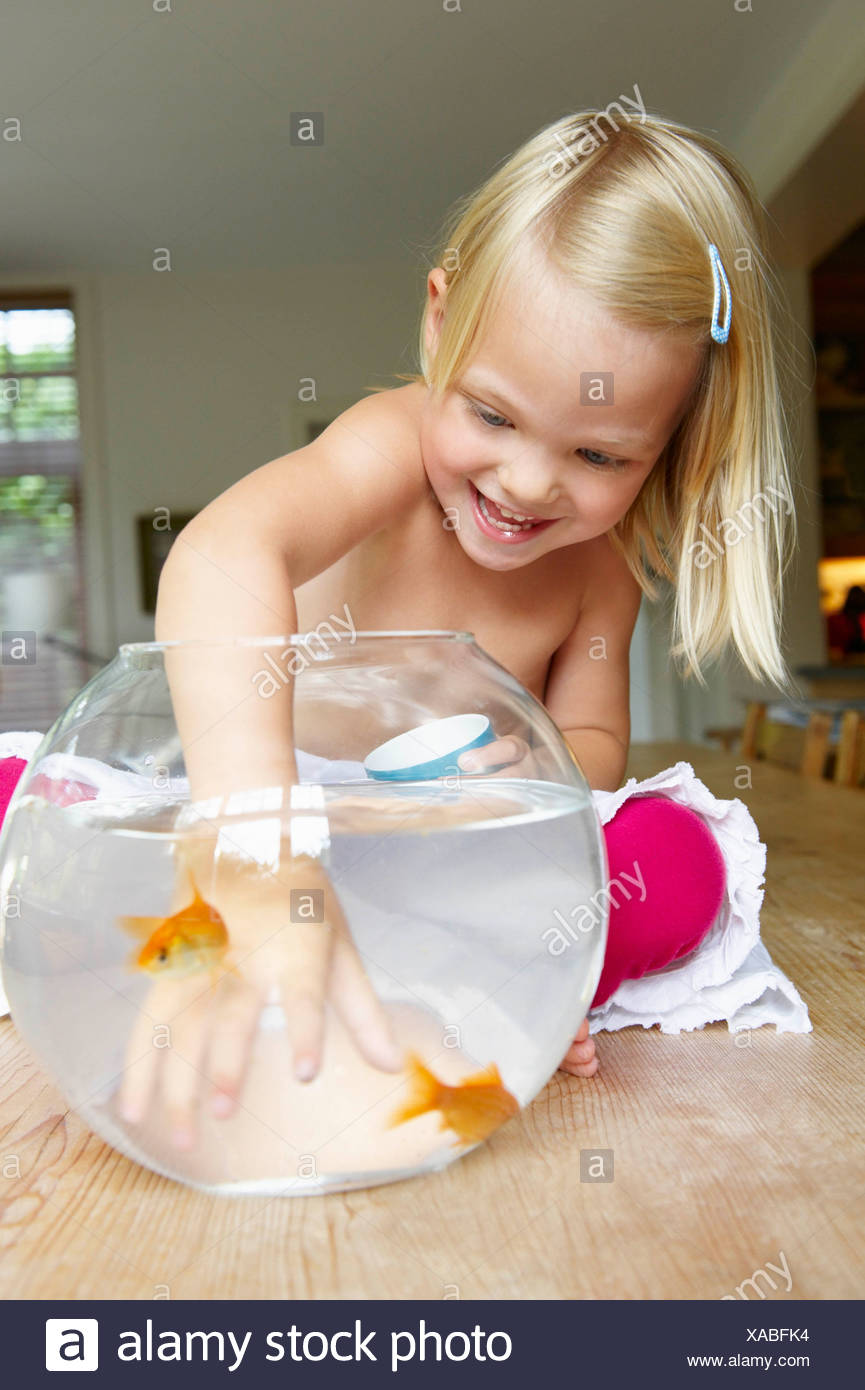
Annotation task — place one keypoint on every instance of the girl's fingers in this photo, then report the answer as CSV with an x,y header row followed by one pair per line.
x,y
183,1073
231,1041
139,1071
581,1057
581,1052
511,749
148,1038
304,1016
303,983
360,1008
579,1068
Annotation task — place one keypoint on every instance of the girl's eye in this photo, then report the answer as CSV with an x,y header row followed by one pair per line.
x,y
496,422
489,417
600,460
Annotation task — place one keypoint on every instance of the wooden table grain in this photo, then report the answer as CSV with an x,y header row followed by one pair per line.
x,y
736,1157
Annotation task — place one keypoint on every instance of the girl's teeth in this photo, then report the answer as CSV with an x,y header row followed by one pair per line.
x,y
518,524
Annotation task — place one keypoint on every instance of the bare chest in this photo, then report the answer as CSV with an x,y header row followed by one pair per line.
x,y
416,576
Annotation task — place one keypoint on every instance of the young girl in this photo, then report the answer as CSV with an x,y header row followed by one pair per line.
x,y
598,397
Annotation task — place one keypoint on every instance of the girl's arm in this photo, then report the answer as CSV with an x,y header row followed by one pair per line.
x,y
601,755
588,683
232,573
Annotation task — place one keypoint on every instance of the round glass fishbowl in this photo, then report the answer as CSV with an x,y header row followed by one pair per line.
x,y
270,935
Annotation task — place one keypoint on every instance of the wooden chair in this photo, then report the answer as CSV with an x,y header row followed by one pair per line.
x,y
850,755
808,750
728,737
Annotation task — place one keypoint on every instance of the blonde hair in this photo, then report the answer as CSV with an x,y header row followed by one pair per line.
x,y
628,214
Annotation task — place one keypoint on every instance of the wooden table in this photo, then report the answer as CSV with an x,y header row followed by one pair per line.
x,y
844,680
728,1158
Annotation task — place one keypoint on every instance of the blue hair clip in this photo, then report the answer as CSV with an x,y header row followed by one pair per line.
x,y
720,331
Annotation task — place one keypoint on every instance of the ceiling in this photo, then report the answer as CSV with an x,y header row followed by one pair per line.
x,y
150,124
825,197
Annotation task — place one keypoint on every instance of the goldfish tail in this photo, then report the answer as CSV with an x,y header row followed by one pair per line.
x,y
490,1076
425,1092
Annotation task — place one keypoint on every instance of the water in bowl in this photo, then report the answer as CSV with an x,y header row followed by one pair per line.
x,y
475,912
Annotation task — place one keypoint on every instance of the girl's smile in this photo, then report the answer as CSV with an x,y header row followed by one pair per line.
x,y
502,526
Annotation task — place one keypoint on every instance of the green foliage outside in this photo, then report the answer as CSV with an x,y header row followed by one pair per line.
x,y
37,514
36,518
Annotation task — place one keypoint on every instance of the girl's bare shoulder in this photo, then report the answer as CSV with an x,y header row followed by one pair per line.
x,y
364,472
398,412
399,403
379,438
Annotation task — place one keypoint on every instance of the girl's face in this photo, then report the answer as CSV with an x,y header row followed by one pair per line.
x,y
559,417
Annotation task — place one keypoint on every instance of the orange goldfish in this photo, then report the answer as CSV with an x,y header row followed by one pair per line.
x,y
473,1108
191,940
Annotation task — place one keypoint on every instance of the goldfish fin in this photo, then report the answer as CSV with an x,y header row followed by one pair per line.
x,y
140,926
425,1092
197,899
202,906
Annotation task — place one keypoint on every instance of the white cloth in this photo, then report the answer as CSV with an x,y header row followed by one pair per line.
x,y
729,977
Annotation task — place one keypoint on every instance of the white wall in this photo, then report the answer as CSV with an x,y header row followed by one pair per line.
x,y
201,378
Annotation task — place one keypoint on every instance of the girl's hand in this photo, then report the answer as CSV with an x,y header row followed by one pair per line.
x,y
286,933
504,757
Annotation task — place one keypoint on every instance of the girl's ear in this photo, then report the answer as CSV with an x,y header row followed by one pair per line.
x,y
436,297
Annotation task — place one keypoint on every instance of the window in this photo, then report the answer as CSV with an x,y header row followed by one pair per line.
x,y
40,505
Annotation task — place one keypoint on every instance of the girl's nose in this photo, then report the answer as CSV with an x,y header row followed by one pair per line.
x,y
531,481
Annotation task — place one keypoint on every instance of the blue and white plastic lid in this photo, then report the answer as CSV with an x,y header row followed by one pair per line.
x,y
429,750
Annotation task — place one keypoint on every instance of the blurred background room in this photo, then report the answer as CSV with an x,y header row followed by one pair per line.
x,y
176,268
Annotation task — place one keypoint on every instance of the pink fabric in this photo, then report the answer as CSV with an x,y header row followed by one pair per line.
x,y
672,851
10,771
62,793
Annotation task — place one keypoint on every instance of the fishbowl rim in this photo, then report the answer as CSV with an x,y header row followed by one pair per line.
x,y
403,634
